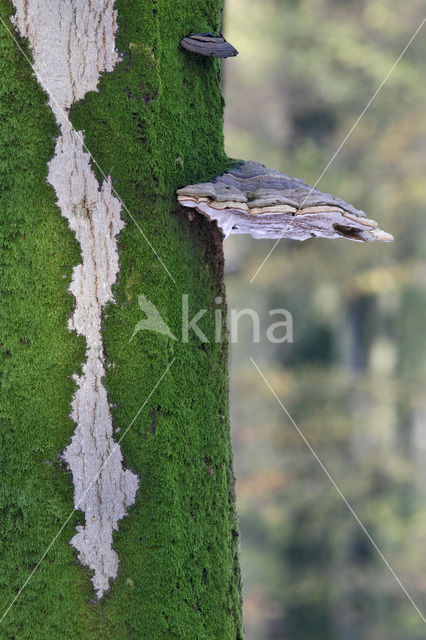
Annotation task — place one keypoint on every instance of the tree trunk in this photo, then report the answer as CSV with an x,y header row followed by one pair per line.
x,y
131,431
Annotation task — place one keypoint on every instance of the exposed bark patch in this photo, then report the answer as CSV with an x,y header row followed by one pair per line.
x,y
72,43
211,237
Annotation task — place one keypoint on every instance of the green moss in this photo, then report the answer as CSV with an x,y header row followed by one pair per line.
x,y
154,125
37,358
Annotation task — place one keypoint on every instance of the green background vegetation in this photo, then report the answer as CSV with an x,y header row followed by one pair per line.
x,y
354,379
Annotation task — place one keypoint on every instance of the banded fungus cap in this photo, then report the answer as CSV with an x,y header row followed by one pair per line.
x,y
207,44
268,204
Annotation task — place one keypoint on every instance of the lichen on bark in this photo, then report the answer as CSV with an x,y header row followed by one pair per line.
x,y
71,43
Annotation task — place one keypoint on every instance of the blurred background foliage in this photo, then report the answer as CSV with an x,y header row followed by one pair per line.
x,y
354,379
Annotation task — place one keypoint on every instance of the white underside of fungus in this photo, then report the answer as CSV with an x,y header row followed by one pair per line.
x,y
268,204
72,42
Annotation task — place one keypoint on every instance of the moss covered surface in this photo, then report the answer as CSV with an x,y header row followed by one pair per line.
x,y
37,358
154,125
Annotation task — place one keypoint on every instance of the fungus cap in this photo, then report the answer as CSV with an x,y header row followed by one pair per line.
x,y
268,204
207,44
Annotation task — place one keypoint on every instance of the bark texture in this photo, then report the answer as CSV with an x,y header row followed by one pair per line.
x,y
153,122
72,42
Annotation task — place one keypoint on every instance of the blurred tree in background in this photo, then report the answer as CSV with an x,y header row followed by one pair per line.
x,y
355,376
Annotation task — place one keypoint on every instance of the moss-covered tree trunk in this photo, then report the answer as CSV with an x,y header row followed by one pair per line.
x,y
151,550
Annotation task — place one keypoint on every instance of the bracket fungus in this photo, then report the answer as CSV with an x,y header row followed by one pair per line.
x,y
268,204
207,44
